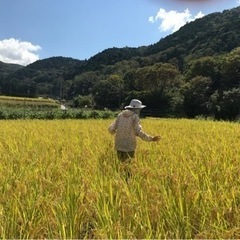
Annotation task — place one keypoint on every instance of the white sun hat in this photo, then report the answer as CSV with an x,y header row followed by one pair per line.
x,y
135,104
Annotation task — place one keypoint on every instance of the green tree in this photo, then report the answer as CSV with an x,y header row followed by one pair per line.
x,y
83,83
157,84
231,70
83,101
196,96
108,93
205,67
230,104
156,78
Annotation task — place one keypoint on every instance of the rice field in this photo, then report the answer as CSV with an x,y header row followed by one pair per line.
x,y
26,101
61,179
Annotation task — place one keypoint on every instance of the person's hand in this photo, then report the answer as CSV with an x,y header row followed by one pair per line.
x,y
156,138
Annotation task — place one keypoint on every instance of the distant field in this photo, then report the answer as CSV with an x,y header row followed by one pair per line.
x,y
11,101
61,179
13,108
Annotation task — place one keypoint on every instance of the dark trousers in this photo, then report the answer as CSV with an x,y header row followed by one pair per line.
x,y
125,156
125,166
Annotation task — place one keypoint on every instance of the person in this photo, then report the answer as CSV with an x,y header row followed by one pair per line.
x,y
126,128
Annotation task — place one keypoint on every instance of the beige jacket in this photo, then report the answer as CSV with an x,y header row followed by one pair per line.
x,y
127,127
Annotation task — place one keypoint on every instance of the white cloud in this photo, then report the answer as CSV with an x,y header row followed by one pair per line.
x,y
19,52
173,20
238,2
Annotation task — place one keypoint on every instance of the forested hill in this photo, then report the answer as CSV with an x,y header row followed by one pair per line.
x,y
213,34
6,69
194,71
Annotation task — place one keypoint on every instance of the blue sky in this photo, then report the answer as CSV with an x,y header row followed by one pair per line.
x,y
38,29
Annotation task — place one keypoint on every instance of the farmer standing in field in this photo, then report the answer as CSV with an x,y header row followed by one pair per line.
x,y
127,128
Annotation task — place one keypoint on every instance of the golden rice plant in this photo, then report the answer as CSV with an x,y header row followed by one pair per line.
x,y
61,179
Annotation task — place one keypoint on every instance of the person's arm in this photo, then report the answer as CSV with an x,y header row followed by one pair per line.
x,y
113,127
139,132
156,138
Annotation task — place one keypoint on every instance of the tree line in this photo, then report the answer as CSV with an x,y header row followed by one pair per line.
x,y
209,87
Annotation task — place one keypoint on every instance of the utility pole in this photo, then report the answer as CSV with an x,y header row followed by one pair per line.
x,y
61,87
